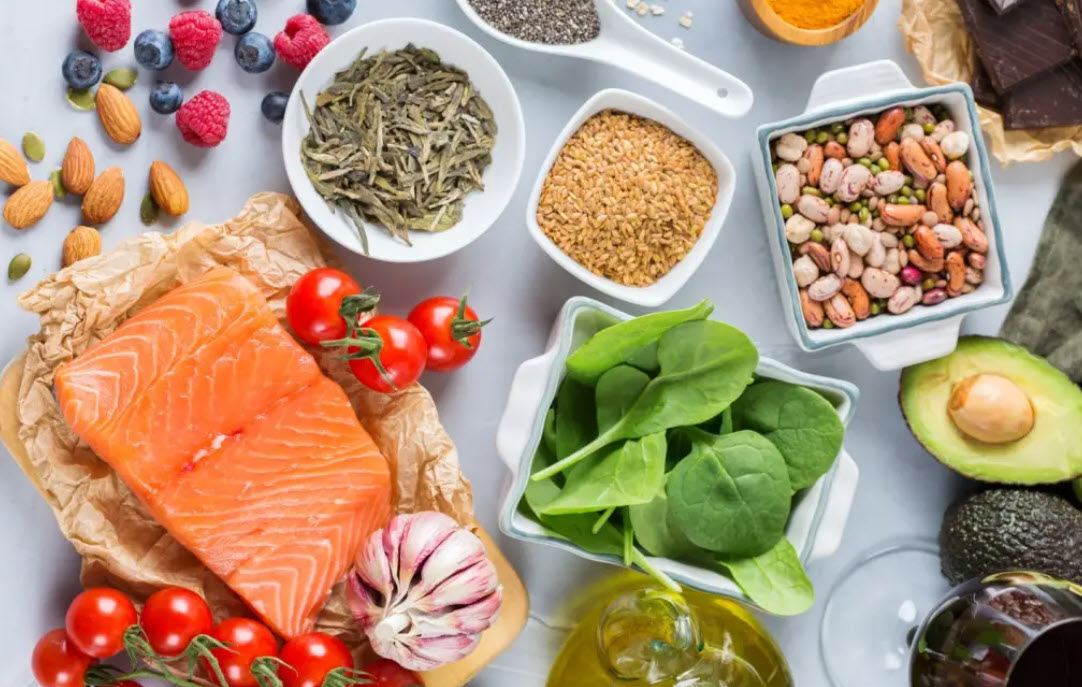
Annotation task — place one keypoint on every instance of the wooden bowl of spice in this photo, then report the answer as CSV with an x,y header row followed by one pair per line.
x,y
808,22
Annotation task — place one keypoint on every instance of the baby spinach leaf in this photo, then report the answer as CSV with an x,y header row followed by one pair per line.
x,y
722,424
656,533
645,359
705,366
548,434
628,474
775,580
617,390
620,342
800,422
731,495
574,417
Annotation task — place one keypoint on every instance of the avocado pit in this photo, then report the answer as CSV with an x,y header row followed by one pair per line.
x,y
992,409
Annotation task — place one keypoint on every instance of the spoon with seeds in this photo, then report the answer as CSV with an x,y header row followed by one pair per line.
x,y
623,43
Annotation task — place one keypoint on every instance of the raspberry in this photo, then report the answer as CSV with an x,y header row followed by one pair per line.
x,y
204,120
106,22
301,40
195,37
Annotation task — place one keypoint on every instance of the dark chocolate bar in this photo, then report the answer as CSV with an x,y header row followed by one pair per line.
x,y
983,90
1054,99
1019,45
1072,13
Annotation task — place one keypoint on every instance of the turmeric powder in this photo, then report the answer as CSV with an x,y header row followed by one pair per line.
x,y
815,14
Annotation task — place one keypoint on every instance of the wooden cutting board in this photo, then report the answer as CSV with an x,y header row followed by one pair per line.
x,y
516,604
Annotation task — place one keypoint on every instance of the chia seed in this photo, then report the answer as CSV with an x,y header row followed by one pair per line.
x,y
554,22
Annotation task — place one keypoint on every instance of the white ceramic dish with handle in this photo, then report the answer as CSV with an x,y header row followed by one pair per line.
x,y
665,288
924,333
623,44
819,514
482,208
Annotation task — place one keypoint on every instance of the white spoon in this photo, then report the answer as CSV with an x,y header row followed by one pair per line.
x,y
624,44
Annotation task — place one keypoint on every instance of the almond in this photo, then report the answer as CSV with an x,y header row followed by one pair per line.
x,y
81,243
13,168
29,204
167,189
78,168
104,197
118,115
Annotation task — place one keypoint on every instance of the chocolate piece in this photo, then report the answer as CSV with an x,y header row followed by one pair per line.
x,y
983,90
1020,45
1054,99
1072,12
1004,6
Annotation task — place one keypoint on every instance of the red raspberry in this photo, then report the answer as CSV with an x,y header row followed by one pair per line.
x,y
204,120
106,22
301,40
195,36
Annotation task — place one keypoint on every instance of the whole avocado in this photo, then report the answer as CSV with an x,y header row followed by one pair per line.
x,y
1003,530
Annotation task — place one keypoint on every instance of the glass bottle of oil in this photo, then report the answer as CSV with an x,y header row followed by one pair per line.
x,y
631,632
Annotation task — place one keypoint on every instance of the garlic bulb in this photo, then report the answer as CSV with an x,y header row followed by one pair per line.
x,y
423,591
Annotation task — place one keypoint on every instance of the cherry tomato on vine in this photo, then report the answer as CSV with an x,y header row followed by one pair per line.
x,y
402,353
314,304
310,657
451,329
247,640
57,662
387,673
97,619
172,618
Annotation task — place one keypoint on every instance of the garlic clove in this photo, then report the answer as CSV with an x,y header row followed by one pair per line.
x,y
461,589
423,534
362,604
374,569
429,653
459,551
472,619
392,541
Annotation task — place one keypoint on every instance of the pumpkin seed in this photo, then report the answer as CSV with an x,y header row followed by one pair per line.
x,y
81,98
149,210
122,77
33,147
19,266
58,184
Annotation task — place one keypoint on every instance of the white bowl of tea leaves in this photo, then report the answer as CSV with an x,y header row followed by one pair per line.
x,y
404,140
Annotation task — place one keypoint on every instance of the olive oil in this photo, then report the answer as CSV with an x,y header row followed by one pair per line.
x,y
728,633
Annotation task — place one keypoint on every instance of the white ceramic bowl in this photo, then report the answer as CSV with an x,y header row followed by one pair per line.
x,y
819,513
482,208
666,287
924,333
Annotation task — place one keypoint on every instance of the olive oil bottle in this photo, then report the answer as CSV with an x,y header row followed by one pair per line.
x,y
634,633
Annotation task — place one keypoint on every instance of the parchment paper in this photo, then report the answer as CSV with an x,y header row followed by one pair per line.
x,y
935,33
121,545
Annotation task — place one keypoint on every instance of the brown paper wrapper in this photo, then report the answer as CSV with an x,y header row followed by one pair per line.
x,y
121,545
935,33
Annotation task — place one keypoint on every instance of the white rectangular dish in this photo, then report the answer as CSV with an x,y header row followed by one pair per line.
x,y
819,513
665,288
924,333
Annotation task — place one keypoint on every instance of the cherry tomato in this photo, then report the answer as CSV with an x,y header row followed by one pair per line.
x,y
452,330
247,640
313,305
387,673
57,662
403,354
310,657
97,620
172,618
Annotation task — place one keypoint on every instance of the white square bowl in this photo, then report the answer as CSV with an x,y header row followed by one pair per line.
x,y
924,333
819,513
665,288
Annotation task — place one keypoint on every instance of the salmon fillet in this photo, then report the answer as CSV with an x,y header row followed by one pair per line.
x,y
234,440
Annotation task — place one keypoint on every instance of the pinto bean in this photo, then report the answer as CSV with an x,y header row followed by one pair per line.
x,y
890,122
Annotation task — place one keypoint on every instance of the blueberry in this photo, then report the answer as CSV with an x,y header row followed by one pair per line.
x,y
274,106
166,97
237,16
81,69
331,11
254,53
154,50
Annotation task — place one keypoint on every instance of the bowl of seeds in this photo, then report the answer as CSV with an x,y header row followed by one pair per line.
x,y
631,198
404,140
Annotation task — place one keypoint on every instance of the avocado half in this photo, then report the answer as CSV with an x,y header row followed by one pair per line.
x,y
1028,414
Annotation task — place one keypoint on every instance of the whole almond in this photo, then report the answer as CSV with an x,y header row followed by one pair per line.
x,y
118,115
13,168
104,197
81,243
29,204
78,168
168,189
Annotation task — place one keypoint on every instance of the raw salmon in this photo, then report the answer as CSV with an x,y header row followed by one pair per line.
x,y
235,441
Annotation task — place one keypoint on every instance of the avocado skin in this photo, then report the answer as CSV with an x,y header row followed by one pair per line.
x,y
1004,530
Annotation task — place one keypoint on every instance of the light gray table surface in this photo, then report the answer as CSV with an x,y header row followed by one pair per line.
x,y
902,490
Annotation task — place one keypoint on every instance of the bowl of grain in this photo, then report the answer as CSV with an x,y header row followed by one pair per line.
x,y
631,198
808,22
